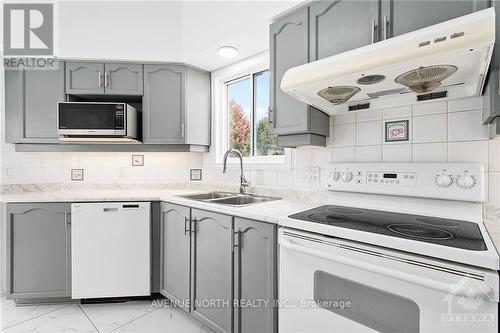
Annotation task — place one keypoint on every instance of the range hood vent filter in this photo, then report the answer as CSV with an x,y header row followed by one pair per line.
x,y
338,94
426,79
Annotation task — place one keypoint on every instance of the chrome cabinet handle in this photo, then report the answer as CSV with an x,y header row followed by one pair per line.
x,y
236,240
186,228
183,131
193,226
386,27
67,220
99,79
106,79
373,30
269,112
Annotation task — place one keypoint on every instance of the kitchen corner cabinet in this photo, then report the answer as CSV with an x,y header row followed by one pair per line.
x,y
255,276
401,16
175,254
38,251
212,264
31,98
289,38
176,105
91,78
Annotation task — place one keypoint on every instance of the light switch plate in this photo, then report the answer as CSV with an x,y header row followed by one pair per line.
x,y
137,160
77,174
195,175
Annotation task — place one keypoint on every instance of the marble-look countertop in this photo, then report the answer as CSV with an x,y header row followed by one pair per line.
x,y
269,211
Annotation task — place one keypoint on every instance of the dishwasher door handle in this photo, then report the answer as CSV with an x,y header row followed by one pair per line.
x,y
106,210
472,290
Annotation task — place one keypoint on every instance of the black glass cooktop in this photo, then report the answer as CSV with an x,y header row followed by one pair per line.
x,y
453,233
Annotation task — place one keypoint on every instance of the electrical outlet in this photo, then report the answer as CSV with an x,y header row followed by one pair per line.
x,y
311,174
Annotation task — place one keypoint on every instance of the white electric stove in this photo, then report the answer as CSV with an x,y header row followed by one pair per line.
x,y
403,244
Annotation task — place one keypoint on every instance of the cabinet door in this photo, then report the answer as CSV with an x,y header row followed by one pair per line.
x,y
289,47
404,16
84,78
163,104
38,250
255,276
212,269
342,25
175,254
31,104
123,79
42,91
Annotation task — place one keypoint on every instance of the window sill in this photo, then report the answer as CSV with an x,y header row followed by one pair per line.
x,y
271,163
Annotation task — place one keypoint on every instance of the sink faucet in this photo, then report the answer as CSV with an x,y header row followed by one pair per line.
x,y
243,182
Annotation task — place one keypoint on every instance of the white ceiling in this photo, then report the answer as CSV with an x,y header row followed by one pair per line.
x,y
179,31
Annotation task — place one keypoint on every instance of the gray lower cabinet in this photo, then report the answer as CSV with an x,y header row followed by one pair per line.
x,y
84,78
342,25
300,123
402,16
38,251
31,98
255,276
175,254
176,105
212,262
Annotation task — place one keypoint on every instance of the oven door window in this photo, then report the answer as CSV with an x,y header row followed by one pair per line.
x,y
374,308
87,116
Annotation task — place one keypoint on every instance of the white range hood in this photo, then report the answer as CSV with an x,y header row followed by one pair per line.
x,y
447,59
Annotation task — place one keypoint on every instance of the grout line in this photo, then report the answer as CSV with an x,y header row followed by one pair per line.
x,y
80,306
41,315
131,321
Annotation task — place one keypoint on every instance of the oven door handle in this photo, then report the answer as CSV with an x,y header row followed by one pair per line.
x,y
460,289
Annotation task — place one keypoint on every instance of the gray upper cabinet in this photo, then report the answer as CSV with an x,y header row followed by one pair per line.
x,y
38,251
402,16
176,105
31,98
84,78
342,25
175,254
90,78
123,79
212,269
289,38
255,275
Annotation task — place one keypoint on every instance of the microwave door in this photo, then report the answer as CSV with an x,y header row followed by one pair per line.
x,y
94,119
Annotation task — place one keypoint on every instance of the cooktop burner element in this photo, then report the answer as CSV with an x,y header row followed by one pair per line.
x,y
447,232
419,231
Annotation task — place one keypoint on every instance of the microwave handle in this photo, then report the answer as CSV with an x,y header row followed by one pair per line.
x,y
99,78
467,290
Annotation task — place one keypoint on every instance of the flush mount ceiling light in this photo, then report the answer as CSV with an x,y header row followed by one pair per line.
x,y
227,51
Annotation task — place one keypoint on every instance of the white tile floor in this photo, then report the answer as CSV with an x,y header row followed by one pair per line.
x,y
132,316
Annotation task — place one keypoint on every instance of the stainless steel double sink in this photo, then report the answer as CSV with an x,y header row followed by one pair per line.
x,y
229,198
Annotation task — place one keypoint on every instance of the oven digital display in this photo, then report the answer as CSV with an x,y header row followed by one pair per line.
x,y
390,175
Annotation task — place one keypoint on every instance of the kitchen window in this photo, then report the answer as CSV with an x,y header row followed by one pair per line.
x,y
248,120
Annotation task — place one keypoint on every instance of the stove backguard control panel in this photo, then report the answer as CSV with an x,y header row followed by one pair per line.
x,y
452,181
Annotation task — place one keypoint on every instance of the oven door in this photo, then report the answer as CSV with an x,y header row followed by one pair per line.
x,y
93,119
331,285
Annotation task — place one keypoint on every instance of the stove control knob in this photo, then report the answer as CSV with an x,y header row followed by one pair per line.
x,y
334,176
466,181
347,177
444,180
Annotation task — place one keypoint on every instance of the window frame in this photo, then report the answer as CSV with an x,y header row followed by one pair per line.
x,y
220,115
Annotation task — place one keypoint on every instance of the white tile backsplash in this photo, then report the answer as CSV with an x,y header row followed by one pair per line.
x,y
369,153
466,126
397,112
430,128
345,118
343,135
344,154
494,155
397,153
369,133
465,104
430,152
472,151
368,115
426,108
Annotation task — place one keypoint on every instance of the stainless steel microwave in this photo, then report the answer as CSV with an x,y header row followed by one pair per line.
x,y
80,121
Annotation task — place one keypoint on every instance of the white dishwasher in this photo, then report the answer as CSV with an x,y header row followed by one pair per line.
x,y
110,249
